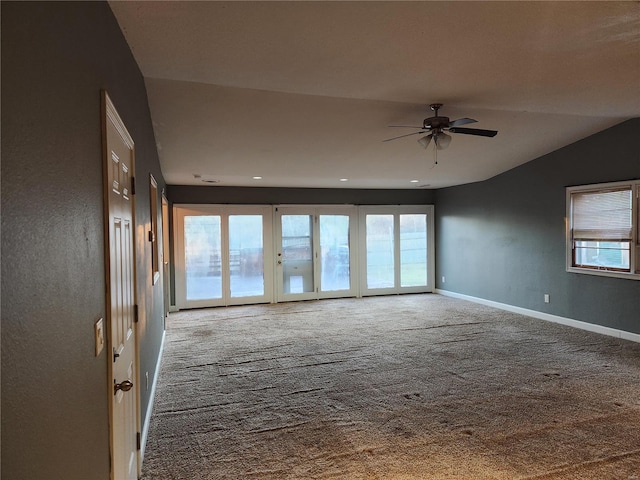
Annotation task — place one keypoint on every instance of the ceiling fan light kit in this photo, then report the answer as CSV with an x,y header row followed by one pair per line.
x,y
442,140
425,141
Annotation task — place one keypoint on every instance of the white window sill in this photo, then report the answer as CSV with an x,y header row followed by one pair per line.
x,y
604,273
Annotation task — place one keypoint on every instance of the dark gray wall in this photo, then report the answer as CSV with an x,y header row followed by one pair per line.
x,y
504,239
56,58
300,196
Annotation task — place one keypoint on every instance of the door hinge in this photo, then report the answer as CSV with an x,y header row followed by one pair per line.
x,y
133,185
138,441
135,313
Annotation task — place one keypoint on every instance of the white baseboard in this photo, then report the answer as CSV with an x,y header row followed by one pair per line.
x,y
591,327
147,419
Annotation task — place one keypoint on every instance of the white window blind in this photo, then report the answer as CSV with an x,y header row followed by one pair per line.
x,y
602,215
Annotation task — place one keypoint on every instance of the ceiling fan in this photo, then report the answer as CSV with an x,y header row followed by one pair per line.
x,y
436,127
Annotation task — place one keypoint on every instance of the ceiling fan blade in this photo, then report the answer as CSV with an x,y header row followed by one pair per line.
x,y
405,126
407,135
474,131
461,121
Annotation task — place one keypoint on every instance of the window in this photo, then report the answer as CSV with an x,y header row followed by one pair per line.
x,y
603,229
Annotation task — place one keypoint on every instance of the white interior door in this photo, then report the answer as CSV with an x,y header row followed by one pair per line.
x,y
223,255
123,388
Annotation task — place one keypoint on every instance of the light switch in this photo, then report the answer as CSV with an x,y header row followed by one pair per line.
x,y
99,326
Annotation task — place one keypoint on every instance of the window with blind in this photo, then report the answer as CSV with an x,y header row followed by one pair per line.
x,y
603,236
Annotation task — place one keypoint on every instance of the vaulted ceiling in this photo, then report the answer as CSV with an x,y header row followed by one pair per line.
x,y
302,93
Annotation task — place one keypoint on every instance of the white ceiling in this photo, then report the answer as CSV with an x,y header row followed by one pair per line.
x,y
301,93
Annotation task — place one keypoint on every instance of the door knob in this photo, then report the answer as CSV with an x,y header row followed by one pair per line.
x,y
124,386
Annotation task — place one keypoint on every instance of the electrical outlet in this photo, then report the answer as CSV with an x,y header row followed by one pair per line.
x,y
546,298
99,329
443,279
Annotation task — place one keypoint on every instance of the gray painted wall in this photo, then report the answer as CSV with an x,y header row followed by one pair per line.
x,y
504,239
56,58
300,196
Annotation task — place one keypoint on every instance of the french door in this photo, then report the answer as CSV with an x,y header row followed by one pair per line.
x,y
396,250
235,255
315,252
223,255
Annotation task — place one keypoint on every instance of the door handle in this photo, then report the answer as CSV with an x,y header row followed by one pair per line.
x,y
124,386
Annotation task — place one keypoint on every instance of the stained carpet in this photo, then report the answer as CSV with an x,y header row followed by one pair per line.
x,y
400,387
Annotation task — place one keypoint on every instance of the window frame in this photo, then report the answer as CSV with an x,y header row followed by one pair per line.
x,y
634,250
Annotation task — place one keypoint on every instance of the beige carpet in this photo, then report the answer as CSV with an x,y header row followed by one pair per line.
x,y
399,387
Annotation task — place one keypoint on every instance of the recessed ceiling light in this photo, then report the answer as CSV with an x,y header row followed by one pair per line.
x,y
414,181
257,178
425,185
344,179
211,181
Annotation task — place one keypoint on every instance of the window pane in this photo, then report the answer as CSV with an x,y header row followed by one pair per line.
x,y
413,250
297,253
246,255
613,255
334,248
203,259
380,248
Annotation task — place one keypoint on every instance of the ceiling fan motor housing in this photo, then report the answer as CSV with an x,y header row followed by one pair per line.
x,y
435,122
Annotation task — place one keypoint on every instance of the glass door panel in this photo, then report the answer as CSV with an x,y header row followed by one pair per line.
x,y
203,257
335,267
246,256
380,251
413,250
297,254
